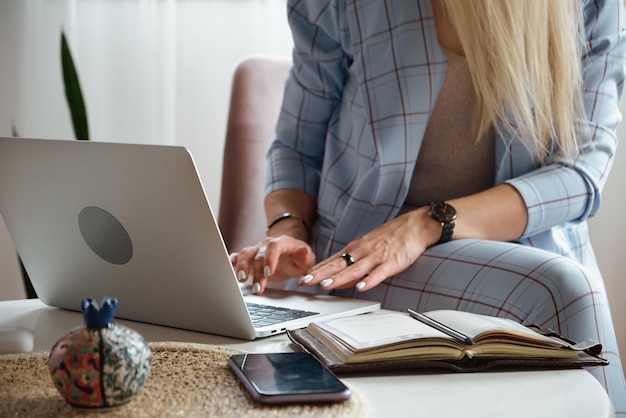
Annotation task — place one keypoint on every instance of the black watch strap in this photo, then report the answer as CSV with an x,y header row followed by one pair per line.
x,y
444,213
446,232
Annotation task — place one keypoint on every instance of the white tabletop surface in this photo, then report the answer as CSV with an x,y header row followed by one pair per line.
x,y
553,394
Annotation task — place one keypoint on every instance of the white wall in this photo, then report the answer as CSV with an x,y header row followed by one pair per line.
x,y
152,71
158,71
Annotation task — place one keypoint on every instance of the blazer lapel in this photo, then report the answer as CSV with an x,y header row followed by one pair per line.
x,y
400,69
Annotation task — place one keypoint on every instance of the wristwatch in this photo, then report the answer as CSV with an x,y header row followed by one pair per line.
x,y
446,214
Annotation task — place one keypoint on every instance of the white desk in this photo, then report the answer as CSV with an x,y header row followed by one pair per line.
x,y
553,394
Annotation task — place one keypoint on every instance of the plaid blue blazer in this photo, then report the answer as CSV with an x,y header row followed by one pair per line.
x,y
365,78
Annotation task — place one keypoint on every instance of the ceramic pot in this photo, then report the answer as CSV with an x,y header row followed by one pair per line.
x,y
100,364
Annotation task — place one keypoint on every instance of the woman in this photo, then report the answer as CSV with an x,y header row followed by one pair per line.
x,y
485,108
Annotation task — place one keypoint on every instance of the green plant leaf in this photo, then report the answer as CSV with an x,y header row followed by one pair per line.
x,y
73,92
14,132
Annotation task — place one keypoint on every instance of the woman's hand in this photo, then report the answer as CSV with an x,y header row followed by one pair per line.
x,y
274,259
394,246
382,253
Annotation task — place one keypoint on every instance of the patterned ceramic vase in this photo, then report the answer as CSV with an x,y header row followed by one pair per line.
x,y
101,364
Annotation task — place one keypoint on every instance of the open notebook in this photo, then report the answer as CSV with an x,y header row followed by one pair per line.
x,y
129,221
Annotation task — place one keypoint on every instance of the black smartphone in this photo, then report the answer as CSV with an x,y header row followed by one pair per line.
x,y
296,377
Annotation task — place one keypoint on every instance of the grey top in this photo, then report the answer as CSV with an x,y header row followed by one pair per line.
x,y
451,163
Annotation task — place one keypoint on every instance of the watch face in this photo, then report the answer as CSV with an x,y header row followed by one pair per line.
x,y
443,212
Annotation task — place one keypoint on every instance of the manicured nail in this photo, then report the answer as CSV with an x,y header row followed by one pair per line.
x,y
256,288
266,271
241,275
326,282
360,285
305,279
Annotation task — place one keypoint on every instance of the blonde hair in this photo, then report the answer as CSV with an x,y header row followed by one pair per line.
x,y
524,57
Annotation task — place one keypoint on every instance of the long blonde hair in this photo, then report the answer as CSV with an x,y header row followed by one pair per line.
x,y
524,57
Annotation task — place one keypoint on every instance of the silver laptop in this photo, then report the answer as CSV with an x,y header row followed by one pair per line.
x,y
95,219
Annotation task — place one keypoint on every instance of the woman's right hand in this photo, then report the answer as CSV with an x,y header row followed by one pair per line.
x,y
273,259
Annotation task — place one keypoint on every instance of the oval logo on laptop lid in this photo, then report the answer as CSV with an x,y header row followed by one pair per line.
x,y
105,235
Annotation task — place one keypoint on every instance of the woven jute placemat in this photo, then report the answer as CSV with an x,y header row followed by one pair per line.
x,y
186,380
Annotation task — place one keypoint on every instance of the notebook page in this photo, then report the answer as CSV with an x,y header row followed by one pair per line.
x,y
364,331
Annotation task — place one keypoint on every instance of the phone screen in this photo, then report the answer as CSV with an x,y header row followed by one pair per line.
x,y
288,377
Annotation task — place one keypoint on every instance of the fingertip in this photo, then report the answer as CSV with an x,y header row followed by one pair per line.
x,y
327,282
305,279
256,288
361,285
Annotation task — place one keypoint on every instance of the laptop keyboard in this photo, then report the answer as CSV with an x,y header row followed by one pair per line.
x,y
264,315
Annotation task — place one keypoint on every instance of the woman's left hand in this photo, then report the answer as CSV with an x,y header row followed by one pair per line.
x,y
378,255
